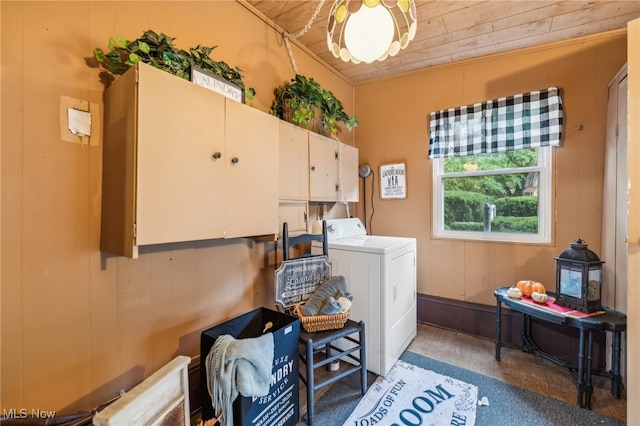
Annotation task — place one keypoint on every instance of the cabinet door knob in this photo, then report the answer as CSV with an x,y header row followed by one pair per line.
x,y
313,168
234,160
216,155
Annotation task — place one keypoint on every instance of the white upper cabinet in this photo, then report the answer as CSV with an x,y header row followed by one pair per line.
x,y
294,162
183,163
333,170
252,163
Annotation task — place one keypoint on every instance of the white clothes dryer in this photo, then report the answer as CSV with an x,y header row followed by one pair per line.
x,y
380,272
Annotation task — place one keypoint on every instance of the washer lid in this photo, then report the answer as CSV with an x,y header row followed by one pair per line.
x,y
371,244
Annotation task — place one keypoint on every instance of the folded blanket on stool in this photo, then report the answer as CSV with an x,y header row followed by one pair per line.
x,y
238,366
325,300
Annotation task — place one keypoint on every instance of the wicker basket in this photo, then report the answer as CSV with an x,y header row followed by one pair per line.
x,y
313,323
315,124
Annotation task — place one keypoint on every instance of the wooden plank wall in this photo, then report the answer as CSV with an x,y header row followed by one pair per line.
x,y
78,325
394,114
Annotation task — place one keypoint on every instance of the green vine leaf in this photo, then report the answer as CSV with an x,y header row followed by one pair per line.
x,y
120,42
302,94
144,47
133,59
158,50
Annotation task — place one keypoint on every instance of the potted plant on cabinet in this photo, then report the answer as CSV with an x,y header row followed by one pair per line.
x,y
304,102
158,50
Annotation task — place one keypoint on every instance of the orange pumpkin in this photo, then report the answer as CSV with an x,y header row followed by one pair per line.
x,y
528,286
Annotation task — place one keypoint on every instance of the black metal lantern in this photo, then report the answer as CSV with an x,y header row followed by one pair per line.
x,y
579,278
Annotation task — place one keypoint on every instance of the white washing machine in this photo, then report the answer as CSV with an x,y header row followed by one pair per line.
x,y
380,272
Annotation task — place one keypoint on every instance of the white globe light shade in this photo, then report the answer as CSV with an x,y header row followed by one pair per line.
x,y
369,33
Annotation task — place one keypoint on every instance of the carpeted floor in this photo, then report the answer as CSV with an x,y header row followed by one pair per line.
x,y
508,405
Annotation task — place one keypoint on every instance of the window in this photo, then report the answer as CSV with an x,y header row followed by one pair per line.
x,y
492,164
503,196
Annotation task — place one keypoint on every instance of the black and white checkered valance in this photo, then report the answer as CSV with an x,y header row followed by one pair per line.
x,y
527,120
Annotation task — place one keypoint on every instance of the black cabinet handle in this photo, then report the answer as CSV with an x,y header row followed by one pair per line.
x,y
216,155
234,160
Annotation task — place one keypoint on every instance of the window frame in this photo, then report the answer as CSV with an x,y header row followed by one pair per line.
x,y
545,202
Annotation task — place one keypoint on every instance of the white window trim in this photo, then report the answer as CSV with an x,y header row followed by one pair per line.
x,y
545,213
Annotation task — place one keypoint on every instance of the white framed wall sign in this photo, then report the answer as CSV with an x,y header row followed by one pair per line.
x,y
393,181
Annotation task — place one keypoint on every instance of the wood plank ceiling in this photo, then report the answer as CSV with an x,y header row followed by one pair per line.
x,y
450,31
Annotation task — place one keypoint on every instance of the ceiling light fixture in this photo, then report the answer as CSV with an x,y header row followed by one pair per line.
x,y
370,30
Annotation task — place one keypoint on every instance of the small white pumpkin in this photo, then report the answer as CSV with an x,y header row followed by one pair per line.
x,y
514,293
539,297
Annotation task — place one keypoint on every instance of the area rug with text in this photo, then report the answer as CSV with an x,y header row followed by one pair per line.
x,y
410,395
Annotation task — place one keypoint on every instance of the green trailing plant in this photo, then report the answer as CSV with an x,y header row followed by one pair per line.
x,y
303,95
159,51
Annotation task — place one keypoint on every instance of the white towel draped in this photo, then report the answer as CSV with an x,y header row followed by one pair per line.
x,y
238,366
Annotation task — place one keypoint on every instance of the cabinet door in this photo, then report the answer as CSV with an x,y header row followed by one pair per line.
x,y
294,162
295,213
323,168
348,170
333,169
117,229
180,128
251,182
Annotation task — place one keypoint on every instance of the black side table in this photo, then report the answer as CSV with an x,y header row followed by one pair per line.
x,y
609,321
